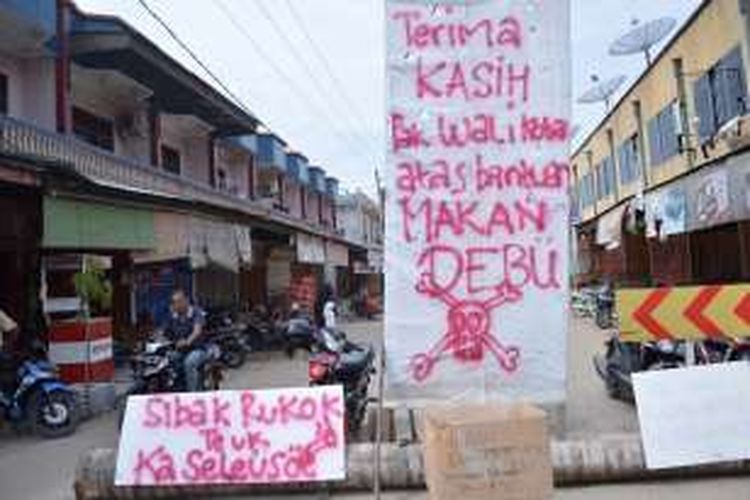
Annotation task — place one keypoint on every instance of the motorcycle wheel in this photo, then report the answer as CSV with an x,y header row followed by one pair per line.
x,y
603,320
52,414
233,357
212,379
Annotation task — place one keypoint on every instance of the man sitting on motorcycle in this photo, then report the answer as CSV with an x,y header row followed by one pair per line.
x,y
185,328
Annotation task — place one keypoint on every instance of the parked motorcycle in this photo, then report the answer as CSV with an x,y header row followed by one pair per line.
x,y
159,368
32,394
298,333
231,341
262,333
338,361
229,335
621,359
605,307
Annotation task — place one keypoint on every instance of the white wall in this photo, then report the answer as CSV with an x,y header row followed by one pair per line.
x,y
236,166
117,98
31,89
190,137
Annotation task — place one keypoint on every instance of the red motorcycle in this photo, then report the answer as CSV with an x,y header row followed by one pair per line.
x,y
336,361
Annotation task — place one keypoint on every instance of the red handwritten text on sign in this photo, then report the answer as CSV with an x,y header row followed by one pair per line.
x,y
477,205
274,436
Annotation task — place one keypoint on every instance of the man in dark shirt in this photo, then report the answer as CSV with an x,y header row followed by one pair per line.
x,y
184,327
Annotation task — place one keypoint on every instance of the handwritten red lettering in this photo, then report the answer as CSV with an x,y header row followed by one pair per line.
x,y
430,220
481,175
422,34
175,412
155,467
493,78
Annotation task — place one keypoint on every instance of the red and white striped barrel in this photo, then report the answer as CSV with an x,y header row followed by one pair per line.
x,y
82,350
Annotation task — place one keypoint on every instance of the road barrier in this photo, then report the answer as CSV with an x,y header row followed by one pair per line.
x,y
604,459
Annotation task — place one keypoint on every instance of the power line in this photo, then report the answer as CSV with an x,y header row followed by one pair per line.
x,y
323,60
322,89
193,55
296,89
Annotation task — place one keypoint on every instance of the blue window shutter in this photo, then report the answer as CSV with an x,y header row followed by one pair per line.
x,y
734,88
622,158
704,107
654,141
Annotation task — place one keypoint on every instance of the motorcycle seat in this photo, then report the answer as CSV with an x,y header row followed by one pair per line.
x,y
354,361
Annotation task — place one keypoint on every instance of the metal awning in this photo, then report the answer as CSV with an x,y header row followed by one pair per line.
x,y
83,225
106,42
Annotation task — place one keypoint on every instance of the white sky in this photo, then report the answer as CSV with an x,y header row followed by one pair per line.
x,y
342,127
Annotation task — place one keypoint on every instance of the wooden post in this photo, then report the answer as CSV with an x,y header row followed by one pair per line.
x,y
743,232
379,425
62,68
212,160
154,132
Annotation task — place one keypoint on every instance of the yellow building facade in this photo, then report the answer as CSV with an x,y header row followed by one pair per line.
x,y
685,117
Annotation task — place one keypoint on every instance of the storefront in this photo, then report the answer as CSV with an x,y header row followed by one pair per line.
x,y
337,271
86,280
20,234
197,254
307,274
697,225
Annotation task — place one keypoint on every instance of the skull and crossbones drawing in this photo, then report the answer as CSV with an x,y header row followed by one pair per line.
x,y
468,337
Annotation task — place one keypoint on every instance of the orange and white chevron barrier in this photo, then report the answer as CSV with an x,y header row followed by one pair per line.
x,y
684,313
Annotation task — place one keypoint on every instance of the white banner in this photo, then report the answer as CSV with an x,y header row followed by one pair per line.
x,y
477,208
232,437
695,415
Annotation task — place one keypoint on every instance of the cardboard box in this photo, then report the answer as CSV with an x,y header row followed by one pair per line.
x,y
498,452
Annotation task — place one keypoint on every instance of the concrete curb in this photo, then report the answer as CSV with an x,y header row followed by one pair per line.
x,y
605,459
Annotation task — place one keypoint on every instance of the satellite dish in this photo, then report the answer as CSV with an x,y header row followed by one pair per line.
x,y
603,91
642,38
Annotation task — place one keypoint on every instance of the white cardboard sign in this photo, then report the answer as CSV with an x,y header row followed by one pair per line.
x,y
477,200
696,415
233,437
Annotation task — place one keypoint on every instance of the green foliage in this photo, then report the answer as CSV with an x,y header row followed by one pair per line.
x,y
94,289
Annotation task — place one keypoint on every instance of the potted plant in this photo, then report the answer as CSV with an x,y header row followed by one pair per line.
x,y
94,290
87,337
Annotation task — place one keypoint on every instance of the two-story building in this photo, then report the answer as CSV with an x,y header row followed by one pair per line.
x,y
663,182
360,219
110,147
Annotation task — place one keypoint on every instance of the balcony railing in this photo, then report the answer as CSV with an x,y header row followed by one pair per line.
x,y
102,167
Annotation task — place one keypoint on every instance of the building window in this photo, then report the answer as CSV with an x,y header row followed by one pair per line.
x,y
586,190
303,202
93,129
629,159
720,94
664,134
605,178
3,94
170,160
221,180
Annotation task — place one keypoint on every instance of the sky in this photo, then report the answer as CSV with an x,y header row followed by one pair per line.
x,y
313,70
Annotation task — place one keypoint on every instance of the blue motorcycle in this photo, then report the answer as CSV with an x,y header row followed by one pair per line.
x,y
32,395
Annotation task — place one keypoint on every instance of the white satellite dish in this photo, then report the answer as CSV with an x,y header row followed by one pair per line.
x,y
642,38
602,92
